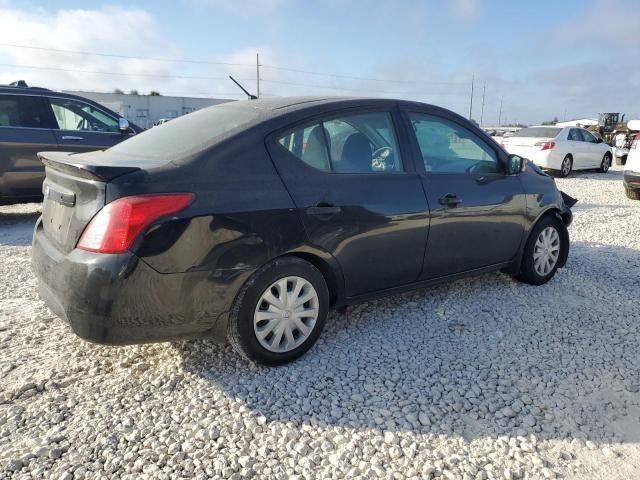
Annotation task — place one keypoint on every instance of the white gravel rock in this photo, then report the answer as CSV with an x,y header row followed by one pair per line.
x,y
482,378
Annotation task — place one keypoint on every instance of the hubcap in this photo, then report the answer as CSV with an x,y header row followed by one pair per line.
x,y
566,165
606,163
546,251
286,314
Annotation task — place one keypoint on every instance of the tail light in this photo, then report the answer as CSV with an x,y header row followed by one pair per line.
x,y
545,145
118,224
636,141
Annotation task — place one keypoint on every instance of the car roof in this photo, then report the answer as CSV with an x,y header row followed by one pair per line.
x,y
277,106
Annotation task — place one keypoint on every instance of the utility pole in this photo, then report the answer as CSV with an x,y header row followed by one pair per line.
x,y
471,103
500,112
484,89
258,75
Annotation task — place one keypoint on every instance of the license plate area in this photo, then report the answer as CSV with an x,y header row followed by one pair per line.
x,y
55,219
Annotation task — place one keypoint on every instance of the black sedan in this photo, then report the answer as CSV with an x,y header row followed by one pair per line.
x,y
250,220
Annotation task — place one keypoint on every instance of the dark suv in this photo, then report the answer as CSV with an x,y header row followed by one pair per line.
x,y
33,119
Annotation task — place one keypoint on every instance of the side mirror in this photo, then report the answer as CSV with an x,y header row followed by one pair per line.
x,y
123,125
515,164
598,140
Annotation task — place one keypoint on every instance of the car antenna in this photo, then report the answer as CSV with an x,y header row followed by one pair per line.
x,y
251,96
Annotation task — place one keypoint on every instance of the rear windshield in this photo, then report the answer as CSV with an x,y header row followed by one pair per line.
x,y
542,132
188,134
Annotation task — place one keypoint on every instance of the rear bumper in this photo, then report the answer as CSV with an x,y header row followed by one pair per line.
x,y
545,159
119,299
631,179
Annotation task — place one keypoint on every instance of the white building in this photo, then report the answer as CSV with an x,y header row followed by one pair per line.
x,y
145,110
583,122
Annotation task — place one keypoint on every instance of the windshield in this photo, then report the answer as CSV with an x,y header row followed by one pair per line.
x,y
188,134
542,132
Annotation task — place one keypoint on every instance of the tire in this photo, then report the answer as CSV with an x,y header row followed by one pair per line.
x,y
530,271
566,166
605,164
251,313
632,193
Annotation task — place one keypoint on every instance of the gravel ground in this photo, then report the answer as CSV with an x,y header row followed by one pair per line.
x,y
482,378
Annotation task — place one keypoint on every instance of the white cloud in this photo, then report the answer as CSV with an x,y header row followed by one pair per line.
x,y
606,24
465,10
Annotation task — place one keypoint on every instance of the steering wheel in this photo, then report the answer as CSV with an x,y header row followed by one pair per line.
x,y
380,158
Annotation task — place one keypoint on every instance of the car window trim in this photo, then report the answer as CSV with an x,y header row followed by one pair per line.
x,y
417,153
47,111
47,97
273,137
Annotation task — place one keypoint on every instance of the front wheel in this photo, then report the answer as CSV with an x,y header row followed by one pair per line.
x,y
543,251
279,313
605,164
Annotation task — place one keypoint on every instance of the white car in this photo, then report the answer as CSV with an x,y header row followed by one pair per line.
x,y
560,148
632,170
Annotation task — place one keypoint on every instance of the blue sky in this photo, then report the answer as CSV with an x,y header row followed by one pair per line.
x,y
543,58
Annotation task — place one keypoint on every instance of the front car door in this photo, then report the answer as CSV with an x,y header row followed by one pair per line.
x,y
26,124
83,127
477,210
360,200
595,150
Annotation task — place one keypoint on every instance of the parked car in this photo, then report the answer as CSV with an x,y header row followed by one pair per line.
x,y
162,121
632,170
34,119
561,149
250,220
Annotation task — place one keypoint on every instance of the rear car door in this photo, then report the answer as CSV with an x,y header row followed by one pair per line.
x,y
26,124
358,194
578,148
83,127
477,210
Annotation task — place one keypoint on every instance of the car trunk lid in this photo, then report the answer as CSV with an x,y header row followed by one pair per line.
x,y
525,146
74,191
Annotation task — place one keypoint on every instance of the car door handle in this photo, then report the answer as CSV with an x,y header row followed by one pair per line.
x,y
323,209
450,199
71,137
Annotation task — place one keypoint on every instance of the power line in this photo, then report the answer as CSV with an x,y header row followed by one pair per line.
x,y
114,55
345,89
121,74
352,77
211,62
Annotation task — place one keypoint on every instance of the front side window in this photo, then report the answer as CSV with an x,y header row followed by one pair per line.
x,y
587,136
447,147
364,143
25,111
76,115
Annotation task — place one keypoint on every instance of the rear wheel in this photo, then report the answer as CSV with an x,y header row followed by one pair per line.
x,y
605,164
280,312
566,166
542,252
632,193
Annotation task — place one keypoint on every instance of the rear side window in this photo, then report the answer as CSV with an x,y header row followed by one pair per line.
x,y
308,144
364,143
574,134
75,115
23,111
